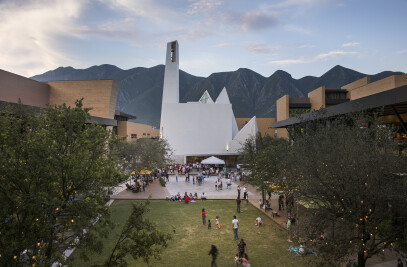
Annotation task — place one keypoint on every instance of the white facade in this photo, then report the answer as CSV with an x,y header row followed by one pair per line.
x,y
198,128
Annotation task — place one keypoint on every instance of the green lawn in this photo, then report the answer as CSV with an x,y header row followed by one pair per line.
x,y
267,245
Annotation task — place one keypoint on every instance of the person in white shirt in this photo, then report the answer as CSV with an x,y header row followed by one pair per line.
x,y
259,222
228,184
235,224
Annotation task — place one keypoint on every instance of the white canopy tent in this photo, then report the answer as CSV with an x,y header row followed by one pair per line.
x,y
213,160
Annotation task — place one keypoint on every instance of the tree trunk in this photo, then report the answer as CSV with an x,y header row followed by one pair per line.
x,y
361,259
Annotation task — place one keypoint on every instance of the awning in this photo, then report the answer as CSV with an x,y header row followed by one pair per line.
x,y
213,160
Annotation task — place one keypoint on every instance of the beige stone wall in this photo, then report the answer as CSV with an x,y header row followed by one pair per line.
x,y
283,113
356,84
317,98
14,87
126,129
382,85
263,125
100,95
122,128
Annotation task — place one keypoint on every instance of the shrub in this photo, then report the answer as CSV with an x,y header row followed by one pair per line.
x,y
162,181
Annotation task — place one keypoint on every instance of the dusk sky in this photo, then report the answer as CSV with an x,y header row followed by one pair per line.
x,y
302,37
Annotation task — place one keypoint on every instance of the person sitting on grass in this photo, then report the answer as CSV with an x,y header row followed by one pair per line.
x,y
195,196
259,221
301,249
203,197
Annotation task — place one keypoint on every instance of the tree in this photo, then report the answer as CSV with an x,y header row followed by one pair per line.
x,y
144,153
348,172
139,237
265,158
53,173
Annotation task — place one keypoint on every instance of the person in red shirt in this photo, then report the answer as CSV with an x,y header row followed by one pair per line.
x,y
203,216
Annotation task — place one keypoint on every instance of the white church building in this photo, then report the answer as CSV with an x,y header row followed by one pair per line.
x,y
197,130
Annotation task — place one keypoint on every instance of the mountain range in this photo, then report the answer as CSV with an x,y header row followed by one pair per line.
x,y
140,89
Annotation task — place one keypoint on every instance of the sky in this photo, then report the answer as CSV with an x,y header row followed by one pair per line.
x,y
302,37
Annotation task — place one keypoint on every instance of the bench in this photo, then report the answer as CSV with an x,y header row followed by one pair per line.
x,y
275,213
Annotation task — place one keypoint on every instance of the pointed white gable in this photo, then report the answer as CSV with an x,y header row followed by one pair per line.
x,y
249,130
235,129
206,98
223,97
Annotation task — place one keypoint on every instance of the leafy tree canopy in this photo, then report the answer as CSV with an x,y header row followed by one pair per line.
x,y
53,173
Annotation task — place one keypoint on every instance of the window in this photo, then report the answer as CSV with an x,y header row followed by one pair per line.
x,y
133,136
173,55
144,134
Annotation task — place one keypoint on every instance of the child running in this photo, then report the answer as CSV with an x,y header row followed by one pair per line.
x,y
209,224
217,223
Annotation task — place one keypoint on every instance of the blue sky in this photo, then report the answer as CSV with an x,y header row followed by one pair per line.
x,y
302,37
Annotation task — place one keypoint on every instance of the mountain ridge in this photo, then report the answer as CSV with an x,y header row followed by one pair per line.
x,y
140,88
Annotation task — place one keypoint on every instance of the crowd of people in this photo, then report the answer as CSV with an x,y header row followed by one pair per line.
x,y
187,197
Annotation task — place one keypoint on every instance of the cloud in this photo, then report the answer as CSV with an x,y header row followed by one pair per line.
x,y
295,3
261,48
154,10
109,30
306,46
333,54
288,61
350,44
200,6
222,45
257,20
30,31
402,51
319,57
295,28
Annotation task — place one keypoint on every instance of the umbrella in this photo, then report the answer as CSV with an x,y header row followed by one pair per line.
x,y
145,172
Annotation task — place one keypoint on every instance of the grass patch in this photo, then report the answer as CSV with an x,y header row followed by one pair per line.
x,y
267,245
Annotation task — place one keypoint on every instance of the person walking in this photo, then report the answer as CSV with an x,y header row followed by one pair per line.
x,y
241,248
203,216
214,253
244,192
238,191
235,224
238,205
289,230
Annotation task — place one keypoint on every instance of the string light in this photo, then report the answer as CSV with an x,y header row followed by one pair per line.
x,y
72,221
